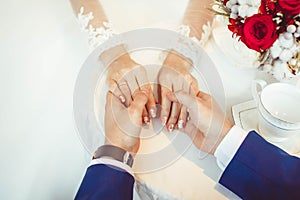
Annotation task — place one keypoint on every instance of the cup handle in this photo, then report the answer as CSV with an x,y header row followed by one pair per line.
x,y
255,92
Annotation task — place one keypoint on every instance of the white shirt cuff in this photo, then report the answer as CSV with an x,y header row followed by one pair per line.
x,y
112,162
229,146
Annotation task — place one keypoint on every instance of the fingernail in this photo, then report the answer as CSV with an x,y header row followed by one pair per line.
x,y
164,120
180,123
152,112
146,120
171,127
122,99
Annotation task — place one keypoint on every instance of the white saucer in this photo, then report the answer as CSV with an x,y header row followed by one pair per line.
x,y
245,116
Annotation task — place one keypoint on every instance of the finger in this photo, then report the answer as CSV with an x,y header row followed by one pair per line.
x,y
143,82
175,108
165,105
147,109
175,111
113,87
132,83
194,86
145,116
124,88
203,95
182,97
137,106
190,101
182,117
151,103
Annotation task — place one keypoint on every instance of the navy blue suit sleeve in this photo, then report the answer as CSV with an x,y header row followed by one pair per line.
x,y
260,170
106,182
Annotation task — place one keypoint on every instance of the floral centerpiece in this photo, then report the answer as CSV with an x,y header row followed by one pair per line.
x,y
269,27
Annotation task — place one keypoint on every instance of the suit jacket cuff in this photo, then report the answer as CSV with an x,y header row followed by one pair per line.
x,y
112,162
229,146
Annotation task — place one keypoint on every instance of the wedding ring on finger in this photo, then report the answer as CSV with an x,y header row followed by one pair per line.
x,y
122,84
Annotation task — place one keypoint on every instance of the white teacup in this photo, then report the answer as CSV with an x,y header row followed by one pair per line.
x,y
278,110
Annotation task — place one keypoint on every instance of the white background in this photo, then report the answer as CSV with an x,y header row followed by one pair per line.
x,y
41,52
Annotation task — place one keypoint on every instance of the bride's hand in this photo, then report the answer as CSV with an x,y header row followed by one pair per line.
x,y
174,75
207,125
125,76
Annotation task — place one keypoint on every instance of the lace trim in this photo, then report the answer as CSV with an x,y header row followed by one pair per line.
x,y
96,36
206,31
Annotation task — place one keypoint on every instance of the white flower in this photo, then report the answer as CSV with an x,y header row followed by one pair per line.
x,y
295,48
293,62
233,2
234,9
254,3
233,15
242,2
275,51
280,70
288,35
291,28
243,10
286,55
251,11
229,4
286,43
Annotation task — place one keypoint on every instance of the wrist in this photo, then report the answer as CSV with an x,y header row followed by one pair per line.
x,y
116,55
177,61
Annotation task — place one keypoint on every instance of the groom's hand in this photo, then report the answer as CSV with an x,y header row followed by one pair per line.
x,y
208,125
123,124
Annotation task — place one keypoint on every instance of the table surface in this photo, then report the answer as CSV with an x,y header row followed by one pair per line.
x,y
42,50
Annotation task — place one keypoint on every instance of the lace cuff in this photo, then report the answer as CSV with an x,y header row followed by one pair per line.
x,y
96,36
206,31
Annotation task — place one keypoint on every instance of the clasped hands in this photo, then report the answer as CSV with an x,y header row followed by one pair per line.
x,y
131,103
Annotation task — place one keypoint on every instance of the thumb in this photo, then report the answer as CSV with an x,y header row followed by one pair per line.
x,y
138,104
189,101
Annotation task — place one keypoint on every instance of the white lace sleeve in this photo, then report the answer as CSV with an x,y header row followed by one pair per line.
x,y
206,32
95,36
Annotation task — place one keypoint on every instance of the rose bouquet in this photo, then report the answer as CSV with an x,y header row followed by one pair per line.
x,y
269,27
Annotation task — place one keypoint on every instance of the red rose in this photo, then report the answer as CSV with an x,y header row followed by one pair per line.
x,y
259,32
290,6
267,7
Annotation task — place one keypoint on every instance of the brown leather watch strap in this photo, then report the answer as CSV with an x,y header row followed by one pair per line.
x,y
114,152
